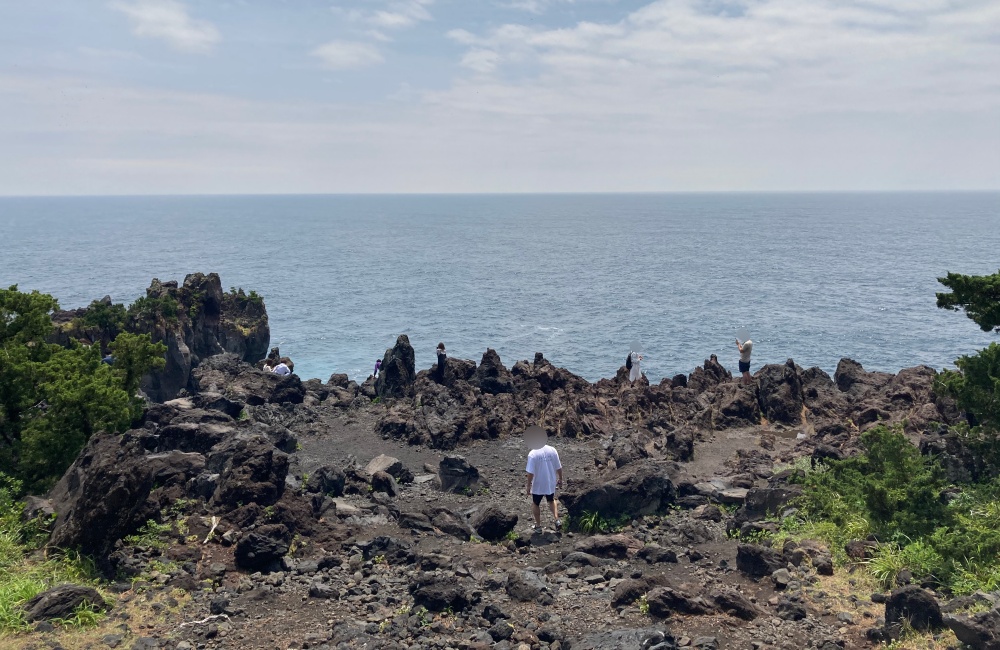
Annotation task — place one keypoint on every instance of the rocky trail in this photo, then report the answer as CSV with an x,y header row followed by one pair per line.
x,y
391,514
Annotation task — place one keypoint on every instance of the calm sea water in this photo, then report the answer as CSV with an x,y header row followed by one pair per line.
x,y
814,277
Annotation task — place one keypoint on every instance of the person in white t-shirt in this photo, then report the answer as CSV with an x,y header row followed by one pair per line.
x,y
544,472
745,348
282,369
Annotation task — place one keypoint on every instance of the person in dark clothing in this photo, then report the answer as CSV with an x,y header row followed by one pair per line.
x,y
442,362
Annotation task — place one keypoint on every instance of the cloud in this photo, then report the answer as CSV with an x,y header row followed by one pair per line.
x,y
395,15
168,20
757,58
372,25
345,55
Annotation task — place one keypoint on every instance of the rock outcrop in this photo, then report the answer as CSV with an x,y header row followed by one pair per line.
x,y
195,320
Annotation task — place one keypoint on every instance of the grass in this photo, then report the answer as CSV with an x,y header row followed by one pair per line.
x,y
593,522
25,572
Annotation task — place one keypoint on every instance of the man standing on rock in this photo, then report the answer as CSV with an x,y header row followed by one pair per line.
x,y
745,348
544,474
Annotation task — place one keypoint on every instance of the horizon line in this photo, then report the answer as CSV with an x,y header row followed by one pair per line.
x,y
542,193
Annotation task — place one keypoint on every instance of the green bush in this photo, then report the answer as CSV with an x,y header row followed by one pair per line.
x,y
108,317
976,386
893,493
147,309
890,486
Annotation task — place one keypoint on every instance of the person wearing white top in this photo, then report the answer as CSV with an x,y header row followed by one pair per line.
x,y
745,348
281,369
634,372
544,476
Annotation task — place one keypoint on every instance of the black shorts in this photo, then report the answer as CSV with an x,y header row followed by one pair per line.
x,y
537,498
744,366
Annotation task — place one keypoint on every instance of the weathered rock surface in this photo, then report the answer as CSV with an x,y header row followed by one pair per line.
x,y
61,602
640,489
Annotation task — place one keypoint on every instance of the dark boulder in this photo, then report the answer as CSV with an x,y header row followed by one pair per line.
x,y
251,470
916,605
734,603
664,601
642,488
492,376
398,371
327,480
791,608
766,502
493,524
105,494
288,390
526,586
656,554
457,475
758,561
630,590
262,549
780,392
384,482
608,546
980,631
442,593
449,523
62,602
394,549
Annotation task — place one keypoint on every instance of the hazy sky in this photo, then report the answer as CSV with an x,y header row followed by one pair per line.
x,y
199,96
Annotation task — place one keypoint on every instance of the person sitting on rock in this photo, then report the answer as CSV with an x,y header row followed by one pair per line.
x,y
378,367
281,369
544,474
442,362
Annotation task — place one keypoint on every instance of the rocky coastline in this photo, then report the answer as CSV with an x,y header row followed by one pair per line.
x,y
391,514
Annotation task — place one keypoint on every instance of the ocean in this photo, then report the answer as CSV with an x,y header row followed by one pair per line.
x,y
813,277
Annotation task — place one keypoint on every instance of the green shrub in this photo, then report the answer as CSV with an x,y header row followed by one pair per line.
x,y
975,386
891,486
108,317
147,308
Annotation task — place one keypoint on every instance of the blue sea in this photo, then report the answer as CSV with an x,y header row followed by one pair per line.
x,y
814,277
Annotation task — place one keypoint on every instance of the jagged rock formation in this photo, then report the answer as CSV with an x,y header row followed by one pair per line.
x,y
651,421
195,320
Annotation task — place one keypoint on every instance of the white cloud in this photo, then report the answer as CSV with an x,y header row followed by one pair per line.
x,y
168,20
345,55
372,25
395,14
765,58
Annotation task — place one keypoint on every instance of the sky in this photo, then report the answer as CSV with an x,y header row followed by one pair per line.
x,y
398,96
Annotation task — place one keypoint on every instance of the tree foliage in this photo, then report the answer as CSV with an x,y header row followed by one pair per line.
x,y
897,490
53,398
976,386
977,295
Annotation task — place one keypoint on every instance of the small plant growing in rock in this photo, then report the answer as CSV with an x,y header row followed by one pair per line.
x,y
643,604
149,536
378,559
511,536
